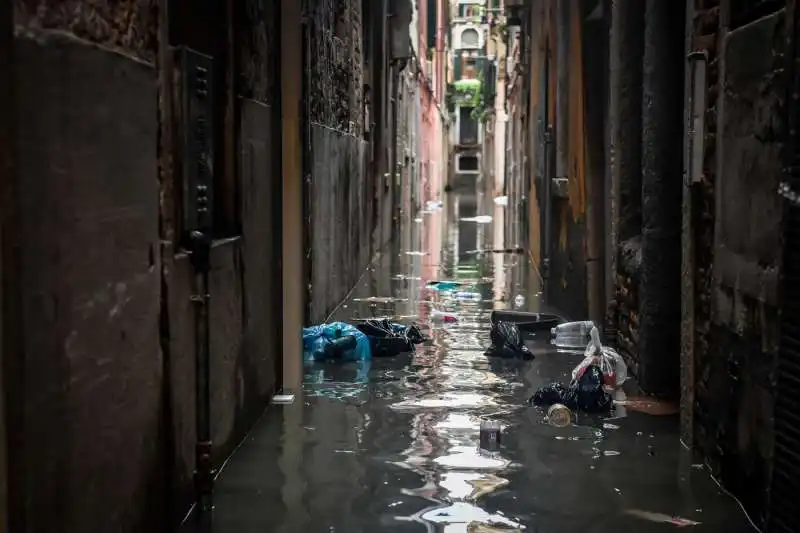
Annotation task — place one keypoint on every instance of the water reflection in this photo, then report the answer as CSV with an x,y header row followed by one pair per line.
x,y
392,444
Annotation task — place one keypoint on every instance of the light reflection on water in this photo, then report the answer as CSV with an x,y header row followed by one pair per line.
x,y
392,444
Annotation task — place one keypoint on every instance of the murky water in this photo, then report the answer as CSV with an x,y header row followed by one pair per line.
x,y
392,444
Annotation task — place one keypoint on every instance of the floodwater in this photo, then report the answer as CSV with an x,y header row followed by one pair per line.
x,y
392,445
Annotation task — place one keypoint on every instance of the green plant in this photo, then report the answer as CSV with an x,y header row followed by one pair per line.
x,y
467,92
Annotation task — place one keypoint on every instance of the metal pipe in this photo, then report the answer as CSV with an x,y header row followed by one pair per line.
x,y
562,88
200,251
548,208
396,198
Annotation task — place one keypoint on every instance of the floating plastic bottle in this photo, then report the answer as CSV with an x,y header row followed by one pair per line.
x,y
441,317
464,295
572,334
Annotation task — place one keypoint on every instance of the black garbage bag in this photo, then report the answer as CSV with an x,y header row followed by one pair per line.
x,y
388,339
586,394
507,342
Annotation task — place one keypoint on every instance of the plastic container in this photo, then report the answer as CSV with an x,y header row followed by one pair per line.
x,y
572,334
470,296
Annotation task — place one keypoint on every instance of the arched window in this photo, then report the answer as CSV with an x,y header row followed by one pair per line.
x,y
470,38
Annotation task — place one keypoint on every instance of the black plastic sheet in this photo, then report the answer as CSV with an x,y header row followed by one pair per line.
x,y
507,342
585,394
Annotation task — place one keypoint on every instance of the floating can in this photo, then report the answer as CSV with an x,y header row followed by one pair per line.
x,y
490,436
559,415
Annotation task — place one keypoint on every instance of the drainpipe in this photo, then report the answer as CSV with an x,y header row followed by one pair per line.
x,y
662,196
396,199
200,252
548,206
561,127
562,89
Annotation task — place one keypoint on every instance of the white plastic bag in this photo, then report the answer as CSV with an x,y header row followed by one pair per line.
x,y
611,364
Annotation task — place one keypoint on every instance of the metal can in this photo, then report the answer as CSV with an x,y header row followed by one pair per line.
x,y
559,415
490,435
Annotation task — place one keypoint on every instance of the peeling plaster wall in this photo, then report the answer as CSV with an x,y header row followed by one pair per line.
x,y
566,288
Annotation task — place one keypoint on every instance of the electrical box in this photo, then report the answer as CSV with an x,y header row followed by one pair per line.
x,y
198,141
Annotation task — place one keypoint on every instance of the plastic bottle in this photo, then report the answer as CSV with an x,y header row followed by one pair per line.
x,y
441,317
572,334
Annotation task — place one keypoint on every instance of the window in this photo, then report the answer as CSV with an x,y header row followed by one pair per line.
x,y
470,38
467,126
468,163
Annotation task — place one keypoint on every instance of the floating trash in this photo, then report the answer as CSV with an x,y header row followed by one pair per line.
x,y
381,299
559,415
442,317
463,295
480,219
662,518
444,285
490,435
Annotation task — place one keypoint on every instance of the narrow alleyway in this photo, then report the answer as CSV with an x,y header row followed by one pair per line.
x,y
392,444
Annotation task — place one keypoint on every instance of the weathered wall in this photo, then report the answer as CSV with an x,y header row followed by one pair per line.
x,y
245,310
104,395
734,396
89,387
351,196
9,271
566,272
341,223
624,131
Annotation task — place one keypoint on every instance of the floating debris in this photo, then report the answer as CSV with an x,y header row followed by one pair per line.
x,y
662,518
650,406
480,219
381,299
559,415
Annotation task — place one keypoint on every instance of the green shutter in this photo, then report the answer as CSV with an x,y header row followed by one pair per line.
x,y
432,13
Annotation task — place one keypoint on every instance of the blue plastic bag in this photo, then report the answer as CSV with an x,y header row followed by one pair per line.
x,y
318,339
444,285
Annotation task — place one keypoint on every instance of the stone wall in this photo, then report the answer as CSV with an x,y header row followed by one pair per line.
x,y
341,223
735,361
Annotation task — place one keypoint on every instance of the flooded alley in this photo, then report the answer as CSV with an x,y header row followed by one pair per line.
x,y
391,444
282,266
